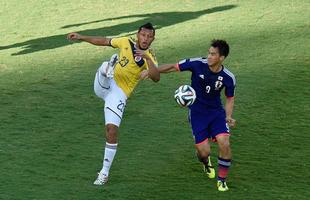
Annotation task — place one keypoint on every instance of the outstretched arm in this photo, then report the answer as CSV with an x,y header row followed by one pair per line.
x,y
153,71
95,40
166,68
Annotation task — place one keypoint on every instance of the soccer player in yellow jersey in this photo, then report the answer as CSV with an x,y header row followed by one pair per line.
x,y
115,80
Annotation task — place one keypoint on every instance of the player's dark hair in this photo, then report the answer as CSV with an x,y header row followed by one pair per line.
x,y
222,46
148,26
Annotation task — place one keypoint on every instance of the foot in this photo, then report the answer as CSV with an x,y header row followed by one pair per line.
x,y
101,179
209,169
111,66
222,186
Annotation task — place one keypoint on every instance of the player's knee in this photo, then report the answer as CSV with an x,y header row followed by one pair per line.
x,y
97,88
224,144
203,149
99,92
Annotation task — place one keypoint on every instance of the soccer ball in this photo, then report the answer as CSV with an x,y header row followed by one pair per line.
x,y
185,95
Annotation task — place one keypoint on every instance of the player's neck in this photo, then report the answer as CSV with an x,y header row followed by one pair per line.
x,y
139,47
216,68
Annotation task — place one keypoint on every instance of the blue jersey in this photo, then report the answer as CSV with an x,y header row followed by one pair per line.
x,y
207,84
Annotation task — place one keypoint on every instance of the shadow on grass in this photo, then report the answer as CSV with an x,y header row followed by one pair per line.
x,y
160,20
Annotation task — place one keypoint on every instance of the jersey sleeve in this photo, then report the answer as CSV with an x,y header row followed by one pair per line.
x,y
230,88
185,65
118,42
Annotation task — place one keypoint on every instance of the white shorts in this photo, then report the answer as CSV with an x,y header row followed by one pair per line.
x,y
114,97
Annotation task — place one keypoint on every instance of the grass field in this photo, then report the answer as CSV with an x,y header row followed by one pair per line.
x,y
51,138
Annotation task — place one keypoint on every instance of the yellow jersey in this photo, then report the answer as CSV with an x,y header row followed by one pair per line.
x,y
128,68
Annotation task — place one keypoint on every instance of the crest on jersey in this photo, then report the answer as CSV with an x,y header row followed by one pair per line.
x,y
218,83
139,61
137,58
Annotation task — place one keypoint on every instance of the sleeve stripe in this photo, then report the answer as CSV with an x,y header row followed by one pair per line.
x,y
203,60
182,61
230,74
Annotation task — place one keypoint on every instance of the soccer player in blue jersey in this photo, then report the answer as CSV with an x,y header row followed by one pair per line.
x,y
208,118
115,81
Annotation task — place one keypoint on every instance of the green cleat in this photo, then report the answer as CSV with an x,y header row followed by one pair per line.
x,y
222,186
209,169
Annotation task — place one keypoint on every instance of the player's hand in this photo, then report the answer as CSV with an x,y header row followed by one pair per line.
x,y
73,36
140,53
231,122
144,75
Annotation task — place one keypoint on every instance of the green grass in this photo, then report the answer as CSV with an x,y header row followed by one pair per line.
x,y
51,138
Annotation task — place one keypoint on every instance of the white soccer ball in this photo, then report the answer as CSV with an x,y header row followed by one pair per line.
x,y
185,95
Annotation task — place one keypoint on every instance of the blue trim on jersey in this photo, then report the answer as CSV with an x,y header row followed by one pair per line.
x,y
140,61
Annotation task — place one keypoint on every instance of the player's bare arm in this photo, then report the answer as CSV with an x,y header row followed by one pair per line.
x,y
229,106
152,72
95,40
167,68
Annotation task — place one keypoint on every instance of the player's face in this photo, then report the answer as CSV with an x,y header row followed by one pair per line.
x,y
214,57
145,38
